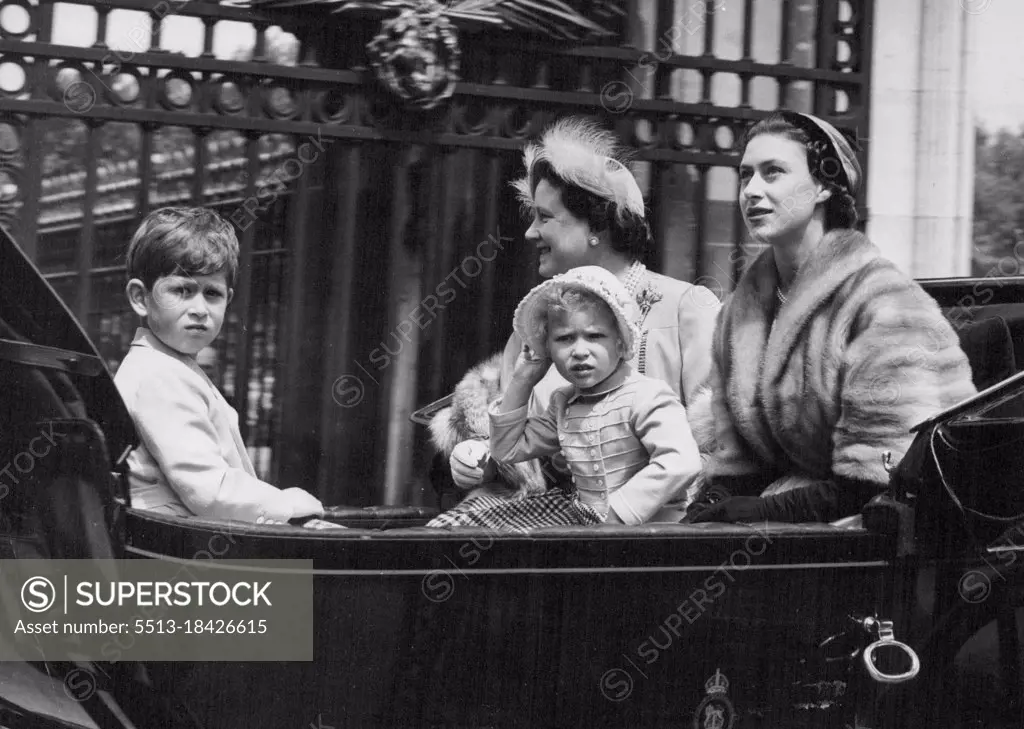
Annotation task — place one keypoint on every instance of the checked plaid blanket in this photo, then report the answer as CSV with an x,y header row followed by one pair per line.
x,y
552,508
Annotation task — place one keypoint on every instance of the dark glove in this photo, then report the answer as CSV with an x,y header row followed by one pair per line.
x,y
722,488
731,510
710,495
821,501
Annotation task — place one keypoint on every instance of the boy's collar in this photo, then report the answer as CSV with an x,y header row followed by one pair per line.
x,y
144,337
610,383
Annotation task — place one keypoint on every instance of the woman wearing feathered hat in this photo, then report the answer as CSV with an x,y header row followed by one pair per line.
x,y
826,354
586,210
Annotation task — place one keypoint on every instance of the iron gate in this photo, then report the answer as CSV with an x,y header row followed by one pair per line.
x,y
381,251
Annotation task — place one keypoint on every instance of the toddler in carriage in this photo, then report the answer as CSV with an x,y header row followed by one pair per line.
x,y
624,436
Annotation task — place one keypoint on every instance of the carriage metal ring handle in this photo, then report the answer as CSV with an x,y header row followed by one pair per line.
x,y
886,639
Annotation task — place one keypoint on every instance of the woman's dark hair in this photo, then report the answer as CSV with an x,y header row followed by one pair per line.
x,y
629,233
822,160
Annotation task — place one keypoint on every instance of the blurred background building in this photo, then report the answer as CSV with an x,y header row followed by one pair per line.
x,y
382,249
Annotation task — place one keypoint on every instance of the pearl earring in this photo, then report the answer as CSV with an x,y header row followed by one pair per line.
x,y
593,240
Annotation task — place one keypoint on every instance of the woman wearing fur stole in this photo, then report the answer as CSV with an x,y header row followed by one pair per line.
x,y
826,354
586,210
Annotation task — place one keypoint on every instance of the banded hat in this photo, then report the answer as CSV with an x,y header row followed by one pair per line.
x,y
530,320
584,155
845,170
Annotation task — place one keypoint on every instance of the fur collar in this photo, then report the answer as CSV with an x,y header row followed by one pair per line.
x,y
758,347
466,419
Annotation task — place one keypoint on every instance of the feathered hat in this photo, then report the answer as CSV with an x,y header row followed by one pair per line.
x,y
584,155
530,318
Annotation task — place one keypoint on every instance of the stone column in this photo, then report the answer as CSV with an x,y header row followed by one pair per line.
x,y
938,249
921,155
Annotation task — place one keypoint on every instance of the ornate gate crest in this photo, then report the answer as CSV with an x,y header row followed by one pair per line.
x,y
416,54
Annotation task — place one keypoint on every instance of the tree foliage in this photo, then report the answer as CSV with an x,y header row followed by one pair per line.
x,y
999,203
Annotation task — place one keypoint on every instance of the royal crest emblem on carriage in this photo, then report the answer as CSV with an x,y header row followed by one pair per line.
x,y
715,711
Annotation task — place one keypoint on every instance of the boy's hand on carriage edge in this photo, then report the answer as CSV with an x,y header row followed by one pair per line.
x,y
303,503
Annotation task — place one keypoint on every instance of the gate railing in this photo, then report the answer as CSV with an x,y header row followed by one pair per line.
x,y
358,216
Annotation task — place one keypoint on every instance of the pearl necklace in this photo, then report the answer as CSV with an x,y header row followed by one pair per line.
x,y
780,296
636,271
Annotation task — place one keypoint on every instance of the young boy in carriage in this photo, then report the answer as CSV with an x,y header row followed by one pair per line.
x,y
625,437
191,460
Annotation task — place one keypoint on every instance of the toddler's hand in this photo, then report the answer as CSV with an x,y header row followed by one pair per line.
x,y
467,463
531,366
612,517
303,503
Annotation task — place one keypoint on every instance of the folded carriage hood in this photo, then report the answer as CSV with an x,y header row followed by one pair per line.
x,y
30,306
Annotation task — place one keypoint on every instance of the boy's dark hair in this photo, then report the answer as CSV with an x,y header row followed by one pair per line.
x,y
631,235
182,241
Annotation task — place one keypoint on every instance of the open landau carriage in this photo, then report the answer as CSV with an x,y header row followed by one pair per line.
x,y
708,626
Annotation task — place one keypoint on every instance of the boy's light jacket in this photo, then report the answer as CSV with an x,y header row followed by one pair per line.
x,y
191,459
